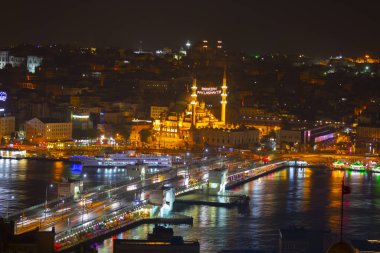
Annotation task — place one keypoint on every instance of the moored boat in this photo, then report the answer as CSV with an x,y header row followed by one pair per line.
x,y
124,160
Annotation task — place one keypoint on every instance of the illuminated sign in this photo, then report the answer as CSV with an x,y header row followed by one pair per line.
x,y
209,91
3,96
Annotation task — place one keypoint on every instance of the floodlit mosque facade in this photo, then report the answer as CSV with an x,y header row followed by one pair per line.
x,y
198,125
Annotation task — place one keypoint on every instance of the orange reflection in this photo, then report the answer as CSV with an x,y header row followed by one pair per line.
x,y
306,188
58,170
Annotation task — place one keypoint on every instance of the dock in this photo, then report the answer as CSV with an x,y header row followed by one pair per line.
x,y
227,200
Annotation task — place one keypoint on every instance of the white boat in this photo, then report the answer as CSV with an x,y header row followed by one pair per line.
x,y
123,160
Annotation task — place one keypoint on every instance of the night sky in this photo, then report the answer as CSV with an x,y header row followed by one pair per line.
x,y
321,27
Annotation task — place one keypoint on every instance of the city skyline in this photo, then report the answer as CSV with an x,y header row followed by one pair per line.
x,y
254,125
323,28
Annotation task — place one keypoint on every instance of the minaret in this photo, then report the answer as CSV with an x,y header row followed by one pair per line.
x,y
193,100
224,97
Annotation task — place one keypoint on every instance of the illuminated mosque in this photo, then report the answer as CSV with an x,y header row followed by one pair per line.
x,y
190,126
177,126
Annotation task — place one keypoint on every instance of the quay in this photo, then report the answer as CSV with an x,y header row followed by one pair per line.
x,y
226,200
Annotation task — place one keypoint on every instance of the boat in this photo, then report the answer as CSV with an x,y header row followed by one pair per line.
x,y
124,160
339,165
12,153
376,169
358,166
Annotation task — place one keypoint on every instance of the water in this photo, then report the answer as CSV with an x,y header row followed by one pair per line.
x,y
309,197
23,182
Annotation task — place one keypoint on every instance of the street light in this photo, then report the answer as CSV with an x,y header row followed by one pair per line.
x,y
188,167
84,176
83,207
46,198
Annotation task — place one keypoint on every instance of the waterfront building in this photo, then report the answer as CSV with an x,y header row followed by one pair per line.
x,y
229,137
306,136
136,126
368,138
7,125
114,117
47,130
368,133
81,121
288,139
317,135
157,111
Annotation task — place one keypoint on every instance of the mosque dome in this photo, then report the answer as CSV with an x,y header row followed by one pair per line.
x,y
340,247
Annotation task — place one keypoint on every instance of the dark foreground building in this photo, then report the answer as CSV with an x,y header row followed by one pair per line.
x,y
160,241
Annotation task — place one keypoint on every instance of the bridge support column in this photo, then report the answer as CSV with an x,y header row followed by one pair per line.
x,y
163,199
217,180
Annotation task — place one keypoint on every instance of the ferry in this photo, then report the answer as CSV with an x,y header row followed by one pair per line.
x,y
12,153
339,165
124,160
376,169
358,166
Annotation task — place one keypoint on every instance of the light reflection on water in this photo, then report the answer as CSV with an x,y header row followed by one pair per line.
x,y
26,180
308,197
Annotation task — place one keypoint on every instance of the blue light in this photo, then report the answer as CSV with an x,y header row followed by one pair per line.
x,y
76,168
3,96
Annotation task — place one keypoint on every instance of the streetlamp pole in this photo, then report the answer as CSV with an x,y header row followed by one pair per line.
x,y
83,198
84,203
46,199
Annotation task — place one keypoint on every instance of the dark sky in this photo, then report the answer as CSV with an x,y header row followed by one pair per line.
x,y
291,26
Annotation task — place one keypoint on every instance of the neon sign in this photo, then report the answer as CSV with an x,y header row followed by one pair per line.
x,y
3,96
209,91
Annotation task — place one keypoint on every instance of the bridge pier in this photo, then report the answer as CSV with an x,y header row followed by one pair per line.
x,y
164,199
217,180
